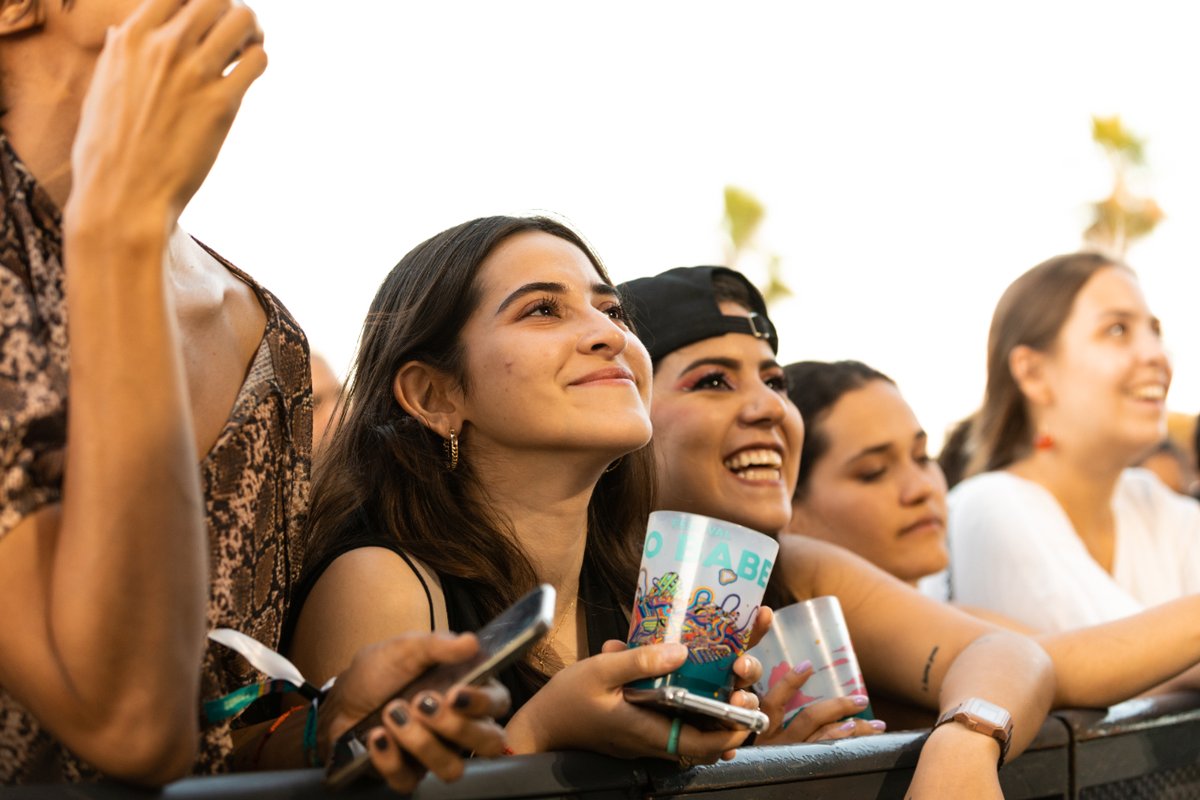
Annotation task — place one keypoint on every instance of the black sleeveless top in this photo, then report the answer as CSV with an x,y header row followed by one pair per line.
x,y
606,616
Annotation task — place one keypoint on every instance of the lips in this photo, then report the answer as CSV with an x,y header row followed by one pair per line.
x,y
604,375
930,522
756,464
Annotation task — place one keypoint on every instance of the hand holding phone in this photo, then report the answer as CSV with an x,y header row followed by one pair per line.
x,y
501,642
703,712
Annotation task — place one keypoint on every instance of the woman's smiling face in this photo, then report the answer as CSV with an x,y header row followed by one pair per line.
x,y
1105,381
726,436
550,362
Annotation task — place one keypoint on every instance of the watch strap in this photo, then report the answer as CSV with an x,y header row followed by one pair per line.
x,y
982,717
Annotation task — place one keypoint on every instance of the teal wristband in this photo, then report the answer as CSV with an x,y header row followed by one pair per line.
x,y
310,736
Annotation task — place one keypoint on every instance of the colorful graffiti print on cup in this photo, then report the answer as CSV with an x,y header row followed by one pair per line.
x,y
701,583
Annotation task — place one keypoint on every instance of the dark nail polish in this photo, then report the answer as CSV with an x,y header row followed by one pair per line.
x,y
428,705
462,700
398,716
381,743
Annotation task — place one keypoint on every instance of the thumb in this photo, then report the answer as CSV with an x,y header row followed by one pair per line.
x,y
649,661
777,698
762,624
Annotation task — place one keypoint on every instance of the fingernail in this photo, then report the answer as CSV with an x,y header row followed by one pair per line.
x,y
860,700
428,705
878,724
381,741
676,651
398,715
461,700
847,726
803,666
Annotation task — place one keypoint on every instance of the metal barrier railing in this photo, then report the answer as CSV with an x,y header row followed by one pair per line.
x,y
1143,748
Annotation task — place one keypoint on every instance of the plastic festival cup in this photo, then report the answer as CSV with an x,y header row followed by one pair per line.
x,y
701,583
813,630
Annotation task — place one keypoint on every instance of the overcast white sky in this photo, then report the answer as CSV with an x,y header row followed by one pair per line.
x,y
913,157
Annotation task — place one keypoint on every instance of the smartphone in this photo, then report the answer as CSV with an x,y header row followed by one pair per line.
x,y
703,712
501,642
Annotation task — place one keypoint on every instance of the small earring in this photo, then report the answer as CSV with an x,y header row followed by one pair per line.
x,y
451,447
1043,441
613,465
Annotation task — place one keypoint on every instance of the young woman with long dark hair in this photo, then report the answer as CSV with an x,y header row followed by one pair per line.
x,y
493,438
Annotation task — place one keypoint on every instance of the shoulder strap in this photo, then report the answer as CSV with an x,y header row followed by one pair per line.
x,y
433,592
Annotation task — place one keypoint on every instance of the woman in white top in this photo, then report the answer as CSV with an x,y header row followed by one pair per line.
x,y
867,483
1058,532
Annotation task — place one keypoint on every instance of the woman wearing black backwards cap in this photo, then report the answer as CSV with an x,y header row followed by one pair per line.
x,y
727,441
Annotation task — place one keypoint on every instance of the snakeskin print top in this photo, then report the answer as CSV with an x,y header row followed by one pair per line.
x,y
256,475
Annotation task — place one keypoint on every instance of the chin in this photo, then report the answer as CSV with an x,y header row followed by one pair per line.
x,y
1138,443
930,565
619,437
770,524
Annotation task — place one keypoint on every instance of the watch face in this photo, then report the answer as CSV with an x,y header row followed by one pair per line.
x,y
986,711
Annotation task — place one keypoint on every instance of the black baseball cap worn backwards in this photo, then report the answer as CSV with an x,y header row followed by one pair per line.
x,y
679,307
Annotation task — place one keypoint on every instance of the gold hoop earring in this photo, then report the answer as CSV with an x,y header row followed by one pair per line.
x,y
613,465
451,447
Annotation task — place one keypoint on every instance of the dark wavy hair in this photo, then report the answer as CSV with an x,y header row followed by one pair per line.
x,y
814,386
384,469
1031,312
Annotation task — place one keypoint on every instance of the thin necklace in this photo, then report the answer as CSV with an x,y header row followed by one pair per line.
x,y
539,652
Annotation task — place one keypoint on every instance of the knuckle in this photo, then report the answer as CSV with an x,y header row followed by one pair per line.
x,y
451,770
243,20
644,659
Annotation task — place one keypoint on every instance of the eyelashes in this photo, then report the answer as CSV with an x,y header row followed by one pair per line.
x,y
617,312
717,379
551,306
922,460
707,381
545,306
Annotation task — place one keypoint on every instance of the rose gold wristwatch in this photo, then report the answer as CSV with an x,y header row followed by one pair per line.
x,y
982,717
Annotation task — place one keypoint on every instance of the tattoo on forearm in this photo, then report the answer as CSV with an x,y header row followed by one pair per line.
x,y
928,664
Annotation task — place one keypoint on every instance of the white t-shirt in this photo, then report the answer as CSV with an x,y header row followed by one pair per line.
x,y
1013,550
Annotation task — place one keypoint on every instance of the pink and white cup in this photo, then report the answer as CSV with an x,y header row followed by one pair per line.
x,y
813,630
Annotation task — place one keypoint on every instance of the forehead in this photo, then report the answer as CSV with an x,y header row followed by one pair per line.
x,y
871,415
749,352
535,256
1109,289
